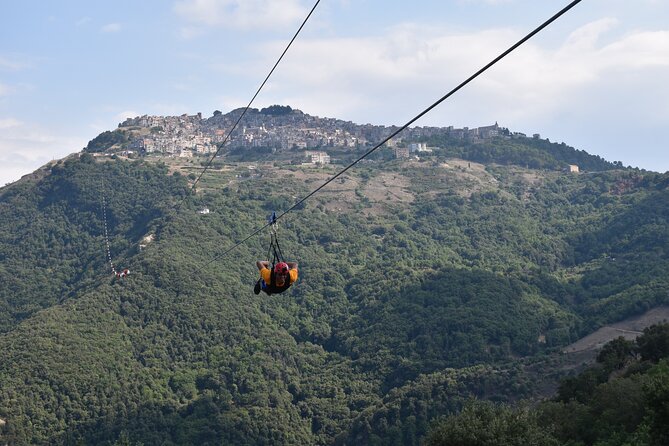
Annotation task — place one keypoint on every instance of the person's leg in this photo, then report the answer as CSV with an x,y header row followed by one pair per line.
x,y
265,287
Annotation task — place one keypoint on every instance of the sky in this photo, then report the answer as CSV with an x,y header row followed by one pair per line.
x,y
597,79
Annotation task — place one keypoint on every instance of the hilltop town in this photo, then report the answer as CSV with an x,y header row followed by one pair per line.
x,y
278,128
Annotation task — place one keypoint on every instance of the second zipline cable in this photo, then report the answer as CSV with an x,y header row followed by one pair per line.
x,y
247,106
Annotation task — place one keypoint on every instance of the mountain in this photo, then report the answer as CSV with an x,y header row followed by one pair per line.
x,y
423,283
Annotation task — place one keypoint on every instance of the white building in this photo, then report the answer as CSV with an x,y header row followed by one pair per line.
x,y
318,157
419,147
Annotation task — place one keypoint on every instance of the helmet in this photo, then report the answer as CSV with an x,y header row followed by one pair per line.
x,y
281,268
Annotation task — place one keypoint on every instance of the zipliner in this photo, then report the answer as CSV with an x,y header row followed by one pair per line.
x,y
275,280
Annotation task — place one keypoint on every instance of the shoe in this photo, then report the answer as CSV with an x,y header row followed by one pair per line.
x,y
256,289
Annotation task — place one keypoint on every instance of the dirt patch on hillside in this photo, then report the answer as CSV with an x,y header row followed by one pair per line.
x,y
531,178
370,195
582,353
461,177
303,174
465,165
388,187
340,195
629,329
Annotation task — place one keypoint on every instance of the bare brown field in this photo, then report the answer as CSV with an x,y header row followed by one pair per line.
x,y
629,329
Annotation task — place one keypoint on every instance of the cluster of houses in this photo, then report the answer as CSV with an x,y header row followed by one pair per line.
x,y
190,135
174,135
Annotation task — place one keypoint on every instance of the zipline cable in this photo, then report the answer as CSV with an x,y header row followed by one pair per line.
x,y
178,207
246,108
417,117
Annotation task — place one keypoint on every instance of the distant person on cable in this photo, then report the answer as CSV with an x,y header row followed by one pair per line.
x,y
276,280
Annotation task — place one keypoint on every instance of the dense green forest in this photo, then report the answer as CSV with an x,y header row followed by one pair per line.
x,y
422,285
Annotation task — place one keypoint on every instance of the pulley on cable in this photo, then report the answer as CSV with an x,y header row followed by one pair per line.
x,y
278,275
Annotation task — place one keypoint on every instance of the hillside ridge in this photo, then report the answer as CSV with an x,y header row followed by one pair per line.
x,y
302,137
423,283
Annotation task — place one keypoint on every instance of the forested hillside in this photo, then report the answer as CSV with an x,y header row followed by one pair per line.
x,y
621,400
50,229
422,284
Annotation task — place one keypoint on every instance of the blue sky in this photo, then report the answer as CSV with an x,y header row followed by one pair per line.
x,y
596,79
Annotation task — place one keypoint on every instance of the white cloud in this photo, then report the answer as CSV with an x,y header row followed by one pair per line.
x,y
83,21
8,123
562,77
127,114
489,2
588,35
12,65
240,14
14,166
410,67
111,28
24,147
637,51
168,109
232,102
4,90
188,32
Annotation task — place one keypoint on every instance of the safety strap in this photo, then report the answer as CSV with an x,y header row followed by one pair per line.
x,y
274,247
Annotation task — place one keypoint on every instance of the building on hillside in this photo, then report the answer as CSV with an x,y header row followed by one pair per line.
x,y
318,157
401,152
458,133
573,168
219,135
186,153
490,131
419,147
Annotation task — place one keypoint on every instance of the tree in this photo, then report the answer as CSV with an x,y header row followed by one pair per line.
x,y
488,424
276,110
656,392
581,387
616,353
653,345
105,140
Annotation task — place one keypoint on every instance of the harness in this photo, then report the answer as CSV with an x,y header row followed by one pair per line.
x,y
276,255
274,248
273,289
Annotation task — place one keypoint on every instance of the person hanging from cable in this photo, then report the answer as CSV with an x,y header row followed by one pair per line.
x,y
277,276
277,279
